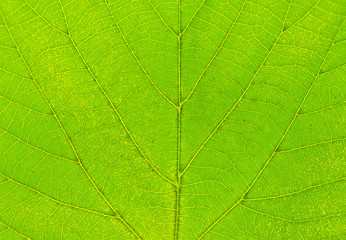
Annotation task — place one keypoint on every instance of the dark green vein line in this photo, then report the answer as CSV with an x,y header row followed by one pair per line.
x,y
37,148
322,109
27,108
334,69
48,23
293,193
311,145
13,230
216,53
279,143
193,16
163,21
306,14
14,74
288,220
135,56
55,200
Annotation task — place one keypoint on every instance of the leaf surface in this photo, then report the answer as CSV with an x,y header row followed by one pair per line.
x,y
162,119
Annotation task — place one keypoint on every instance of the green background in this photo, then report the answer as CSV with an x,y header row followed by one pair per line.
x,y
172,119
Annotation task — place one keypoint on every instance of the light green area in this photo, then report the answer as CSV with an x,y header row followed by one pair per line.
x,y
172,119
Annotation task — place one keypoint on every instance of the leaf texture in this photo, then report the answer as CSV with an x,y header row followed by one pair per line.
x,y
172,119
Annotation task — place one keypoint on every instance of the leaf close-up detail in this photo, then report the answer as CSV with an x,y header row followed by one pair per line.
x,y
172,119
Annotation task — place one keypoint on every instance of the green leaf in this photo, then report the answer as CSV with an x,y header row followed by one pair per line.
x,y
172,119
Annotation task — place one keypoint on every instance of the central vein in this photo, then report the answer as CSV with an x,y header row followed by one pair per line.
x,y
179,112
